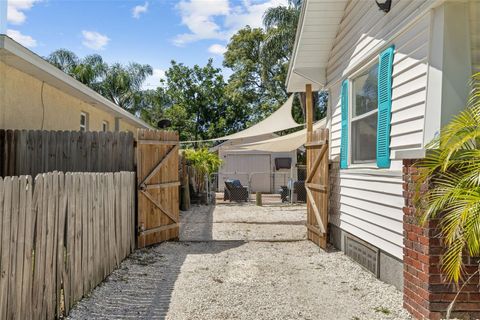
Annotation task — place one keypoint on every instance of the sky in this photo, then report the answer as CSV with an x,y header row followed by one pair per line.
x,y
152,32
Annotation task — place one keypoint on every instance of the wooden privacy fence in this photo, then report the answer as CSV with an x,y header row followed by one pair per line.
x,y
61,239
316,186
157,184
29,152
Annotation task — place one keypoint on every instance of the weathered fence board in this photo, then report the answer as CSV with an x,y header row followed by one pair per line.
x,y
61,238
30,152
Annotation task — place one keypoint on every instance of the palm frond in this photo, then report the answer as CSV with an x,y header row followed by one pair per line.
x,y
451,170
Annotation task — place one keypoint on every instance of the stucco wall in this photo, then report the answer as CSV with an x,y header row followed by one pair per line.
x,y
29,103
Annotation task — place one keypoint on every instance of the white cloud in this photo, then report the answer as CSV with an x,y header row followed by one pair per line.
x,y
153,81
23,39
250,13
137,11
217,19
217,49
16,8
94,40
199,17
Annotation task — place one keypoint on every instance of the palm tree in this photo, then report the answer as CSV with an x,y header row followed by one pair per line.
x,y
452,171
118,83
123,84
281,28
64,60
88,70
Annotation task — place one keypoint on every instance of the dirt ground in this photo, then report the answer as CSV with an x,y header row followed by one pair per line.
x,y
241,262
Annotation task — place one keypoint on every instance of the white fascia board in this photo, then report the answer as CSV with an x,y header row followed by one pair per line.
x,y
19,57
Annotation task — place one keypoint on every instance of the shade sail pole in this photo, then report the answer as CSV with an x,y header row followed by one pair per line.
x,y
309,120
309,111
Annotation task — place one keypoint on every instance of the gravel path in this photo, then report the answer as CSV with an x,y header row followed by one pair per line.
x,y
237,279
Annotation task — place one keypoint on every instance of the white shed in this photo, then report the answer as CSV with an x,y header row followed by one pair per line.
x,y
255,169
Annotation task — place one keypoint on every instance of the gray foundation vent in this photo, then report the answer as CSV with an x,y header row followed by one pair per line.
x,y
363,253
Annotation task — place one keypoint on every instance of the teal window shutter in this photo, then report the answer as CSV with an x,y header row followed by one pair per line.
x,y
384,107
344,133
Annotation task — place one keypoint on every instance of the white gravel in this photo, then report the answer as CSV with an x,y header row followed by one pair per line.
x,y
236,279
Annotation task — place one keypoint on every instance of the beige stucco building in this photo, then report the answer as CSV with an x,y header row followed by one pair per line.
x,y
36,95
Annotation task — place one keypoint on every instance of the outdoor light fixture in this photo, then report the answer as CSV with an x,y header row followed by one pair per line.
x,y
384,5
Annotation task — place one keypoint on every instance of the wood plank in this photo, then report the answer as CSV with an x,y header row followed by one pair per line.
x,y
159,229
26,298
162,185
20,250
52,187
313,144
315,230
124,215
117,211
12,288
40,205
70,245
84,219
158,142
316,186
90,195
77,273
5,244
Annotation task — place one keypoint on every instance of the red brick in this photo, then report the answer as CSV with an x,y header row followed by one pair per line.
x,y
474,296
465,306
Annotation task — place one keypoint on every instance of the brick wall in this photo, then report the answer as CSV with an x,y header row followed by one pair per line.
x,y
426,295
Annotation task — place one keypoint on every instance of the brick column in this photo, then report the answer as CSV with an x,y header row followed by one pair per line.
x,y
425,294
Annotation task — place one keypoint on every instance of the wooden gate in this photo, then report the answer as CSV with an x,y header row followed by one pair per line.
x,y
157,185
316,186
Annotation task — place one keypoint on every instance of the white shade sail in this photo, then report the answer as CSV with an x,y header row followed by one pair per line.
x,y
284,143
281,119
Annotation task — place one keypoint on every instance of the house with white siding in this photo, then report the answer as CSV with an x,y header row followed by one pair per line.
x,y
395,75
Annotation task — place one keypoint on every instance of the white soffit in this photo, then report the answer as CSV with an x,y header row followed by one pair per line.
x,y
317,29
17,56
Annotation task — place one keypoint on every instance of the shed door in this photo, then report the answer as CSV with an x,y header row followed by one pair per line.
x,y
257,166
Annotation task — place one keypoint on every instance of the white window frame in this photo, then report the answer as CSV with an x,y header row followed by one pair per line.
x,y
84,127
105,126
351,118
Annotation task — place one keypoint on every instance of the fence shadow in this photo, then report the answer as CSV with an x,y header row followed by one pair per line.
x,y
143,286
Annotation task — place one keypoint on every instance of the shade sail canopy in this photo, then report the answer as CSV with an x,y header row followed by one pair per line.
x,y
281,119
284,143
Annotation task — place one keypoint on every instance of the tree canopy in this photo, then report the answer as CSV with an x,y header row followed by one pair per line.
x,y
198,100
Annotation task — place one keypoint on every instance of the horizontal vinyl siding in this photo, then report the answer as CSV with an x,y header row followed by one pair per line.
x,y
475,35
369,206
409,82
368,202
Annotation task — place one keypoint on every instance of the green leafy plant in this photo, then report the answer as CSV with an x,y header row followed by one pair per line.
x,y
451,170
204,163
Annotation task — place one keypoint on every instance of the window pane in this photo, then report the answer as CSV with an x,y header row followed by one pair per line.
x,y
364,139
365,91
83,119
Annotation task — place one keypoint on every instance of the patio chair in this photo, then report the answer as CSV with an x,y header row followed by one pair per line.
x,y
284,192
234,191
